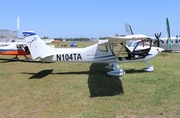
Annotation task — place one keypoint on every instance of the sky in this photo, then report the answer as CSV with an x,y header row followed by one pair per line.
x,y
90,18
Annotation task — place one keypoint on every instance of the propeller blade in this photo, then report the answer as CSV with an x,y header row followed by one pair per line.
x,y
168,31
159,34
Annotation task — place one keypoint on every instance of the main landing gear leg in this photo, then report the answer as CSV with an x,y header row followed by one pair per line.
x,y
150,68
115,70
26,58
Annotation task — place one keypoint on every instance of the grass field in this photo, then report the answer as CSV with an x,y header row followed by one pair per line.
x,y
84,90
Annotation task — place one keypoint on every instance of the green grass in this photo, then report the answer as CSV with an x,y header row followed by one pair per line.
x,y
84,90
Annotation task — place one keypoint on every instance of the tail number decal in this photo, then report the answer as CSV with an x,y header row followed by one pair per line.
x,y
66,57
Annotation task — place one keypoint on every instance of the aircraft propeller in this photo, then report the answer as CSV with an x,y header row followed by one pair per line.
x,y
158,37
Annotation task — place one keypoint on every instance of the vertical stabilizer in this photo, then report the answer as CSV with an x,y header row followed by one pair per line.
x,y
128,29
37,47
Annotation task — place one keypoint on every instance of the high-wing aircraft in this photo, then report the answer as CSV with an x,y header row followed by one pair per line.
x,y
9,46
169,43
165,43
15,48
102,52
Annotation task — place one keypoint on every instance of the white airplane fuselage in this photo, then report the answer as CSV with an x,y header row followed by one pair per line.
x,y
88,54
93,54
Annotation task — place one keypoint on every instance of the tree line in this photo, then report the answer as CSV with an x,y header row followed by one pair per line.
x,y
73,39
79,39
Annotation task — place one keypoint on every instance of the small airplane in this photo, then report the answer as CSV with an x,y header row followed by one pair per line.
x,y
15,48
73,44
169,43
101,52
165,43
9,46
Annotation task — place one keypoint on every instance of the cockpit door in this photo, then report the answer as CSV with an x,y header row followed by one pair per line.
x,y
141,50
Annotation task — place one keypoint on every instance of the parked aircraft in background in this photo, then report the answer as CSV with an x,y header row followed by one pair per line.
x,y
73,44
15,48
169,43
10,45
165,43
102,52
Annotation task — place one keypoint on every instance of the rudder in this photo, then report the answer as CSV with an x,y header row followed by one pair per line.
x,y
37,47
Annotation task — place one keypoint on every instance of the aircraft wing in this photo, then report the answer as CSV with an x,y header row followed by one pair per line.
x,y
13,43
124,39
103,41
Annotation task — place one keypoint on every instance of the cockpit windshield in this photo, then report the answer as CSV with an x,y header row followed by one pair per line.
x,y
134,43
129,43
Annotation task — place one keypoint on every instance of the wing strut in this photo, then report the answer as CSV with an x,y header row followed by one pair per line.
x,y
120,51
116,71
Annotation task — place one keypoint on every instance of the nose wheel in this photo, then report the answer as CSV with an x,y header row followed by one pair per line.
x,y
150,68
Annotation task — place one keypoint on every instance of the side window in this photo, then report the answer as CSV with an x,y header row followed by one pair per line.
x,y
18,46
102,48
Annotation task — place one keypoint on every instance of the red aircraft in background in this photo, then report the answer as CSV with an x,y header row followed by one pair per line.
x,y
15,48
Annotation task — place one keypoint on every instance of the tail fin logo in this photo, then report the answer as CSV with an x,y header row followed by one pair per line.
x,y
30,42
26,35
29,33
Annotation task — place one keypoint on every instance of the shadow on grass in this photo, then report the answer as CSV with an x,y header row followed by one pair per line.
x,y
131,71
9,60
4,60
101,84
40,74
